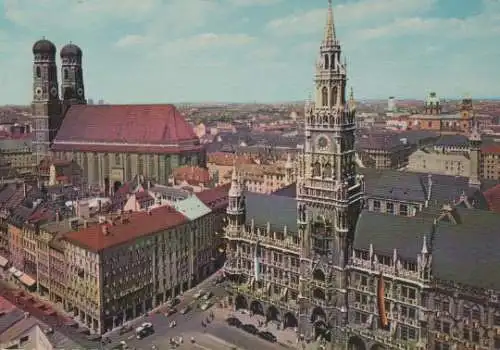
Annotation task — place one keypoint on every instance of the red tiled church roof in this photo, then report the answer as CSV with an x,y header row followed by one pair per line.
x,y
138,224
148,128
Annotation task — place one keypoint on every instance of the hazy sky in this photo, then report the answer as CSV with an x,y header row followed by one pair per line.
x,y
263,50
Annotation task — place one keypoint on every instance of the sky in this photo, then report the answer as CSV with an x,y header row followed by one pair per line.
x,y
172,51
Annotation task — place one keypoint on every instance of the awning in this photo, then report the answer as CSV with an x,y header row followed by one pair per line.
x,y
27,280
3,261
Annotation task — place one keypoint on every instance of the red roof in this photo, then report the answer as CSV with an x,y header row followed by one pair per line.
x,y
116,125
192,175
215,198
492,148
139,224
493,198
124,148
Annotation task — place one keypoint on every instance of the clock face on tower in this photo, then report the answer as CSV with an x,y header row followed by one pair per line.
x,y
322,143
38,92
53,91
79,92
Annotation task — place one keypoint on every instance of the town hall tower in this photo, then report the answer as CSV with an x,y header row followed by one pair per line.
x,y
329,192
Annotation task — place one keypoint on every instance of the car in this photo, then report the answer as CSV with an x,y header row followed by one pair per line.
x,y
233,321
185,310
268,336
199,294
205,306
207,296
250,328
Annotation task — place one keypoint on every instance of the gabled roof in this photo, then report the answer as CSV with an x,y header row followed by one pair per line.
x,y
467,251
105,127
278,211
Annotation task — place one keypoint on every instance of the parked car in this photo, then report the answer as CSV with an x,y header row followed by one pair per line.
x,y
250,328
268,336
233,321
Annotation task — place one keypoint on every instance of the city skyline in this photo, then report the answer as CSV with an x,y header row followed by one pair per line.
x,y
255,50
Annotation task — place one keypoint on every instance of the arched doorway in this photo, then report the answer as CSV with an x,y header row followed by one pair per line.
x,y
272,314
318,319
257,308
240,302
290,321
356,343
116,186
321,330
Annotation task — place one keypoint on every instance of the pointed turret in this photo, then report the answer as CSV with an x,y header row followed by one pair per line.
x,y
351,102
235,190
425,249
330,34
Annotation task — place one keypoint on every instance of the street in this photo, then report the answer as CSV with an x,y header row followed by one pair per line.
x,y
217,334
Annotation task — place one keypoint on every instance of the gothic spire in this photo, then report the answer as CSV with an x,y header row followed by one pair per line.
x,y
330,35
235,189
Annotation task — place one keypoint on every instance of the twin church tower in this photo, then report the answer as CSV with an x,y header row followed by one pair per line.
x,y
49,104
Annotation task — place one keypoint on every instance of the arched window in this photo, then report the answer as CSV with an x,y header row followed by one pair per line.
x,y
38,72
327,61
324,96
327,170
65,74
316,171
333,96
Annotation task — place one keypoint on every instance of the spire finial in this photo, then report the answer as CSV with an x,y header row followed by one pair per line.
x,y
330,25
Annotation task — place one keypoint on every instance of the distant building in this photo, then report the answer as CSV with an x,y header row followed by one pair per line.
x,y
391,104
383,150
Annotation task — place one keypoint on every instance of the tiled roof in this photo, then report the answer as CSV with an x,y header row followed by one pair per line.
x,y
161,128
387,232
491,148
228,159
215,198
278,211
452,140
467,252
138,224
192,175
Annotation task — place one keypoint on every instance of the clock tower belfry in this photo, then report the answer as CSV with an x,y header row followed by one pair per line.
x,y
329,192
46,107
72,88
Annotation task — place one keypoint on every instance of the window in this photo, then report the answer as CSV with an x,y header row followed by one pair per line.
x,y
376,205
390,208
38,72
324,96
65,74
403,210
117,159
408,333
